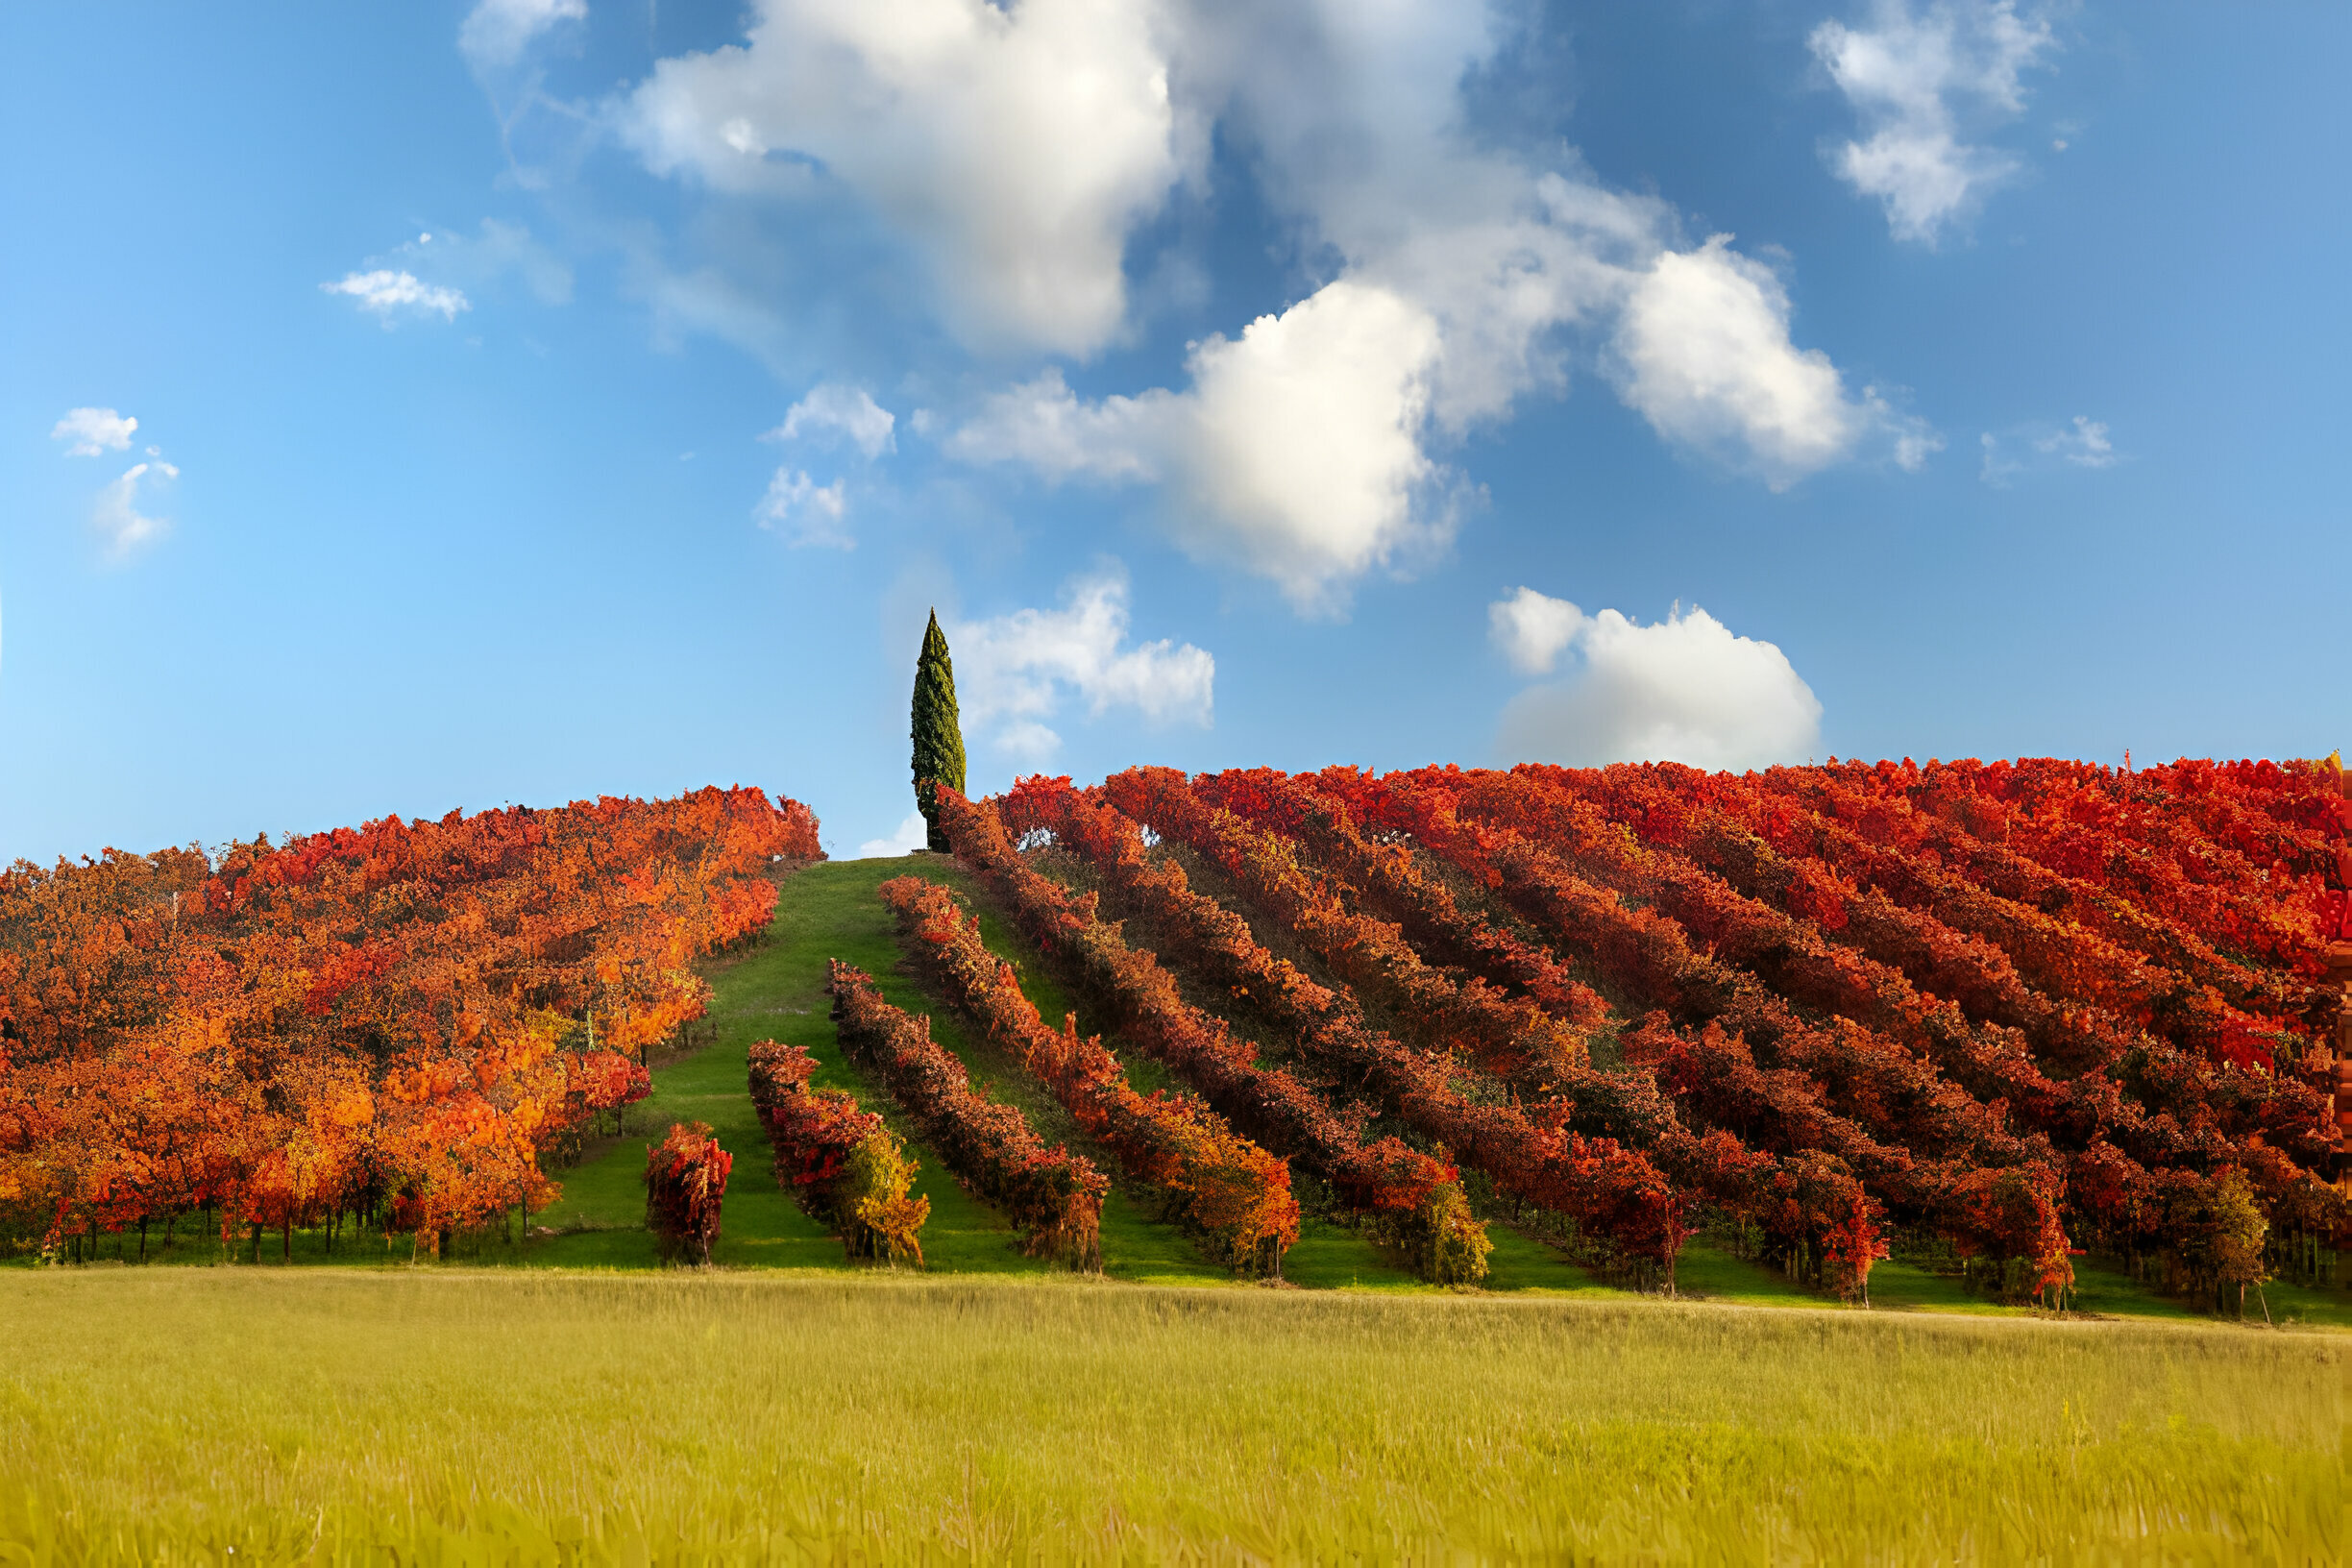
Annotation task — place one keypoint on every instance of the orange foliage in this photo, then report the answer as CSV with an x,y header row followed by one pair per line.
x,y
397,1019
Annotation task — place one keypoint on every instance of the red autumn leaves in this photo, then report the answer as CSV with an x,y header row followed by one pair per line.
x,y
1053,1198
1232,1194
685,1182
2016,1006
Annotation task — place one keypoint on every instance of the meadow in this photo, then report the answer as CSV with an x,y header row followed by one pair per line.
x,y
170,1416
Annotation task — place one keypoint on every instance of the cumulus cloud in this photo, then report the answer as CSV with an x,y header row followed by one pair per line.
x,y
1917,79
1706,358
1534,629
833,413
1020,150
908,837
121,526
1684,689
1295,452
431,274
1016,146
804,511
386,294
89,432
1311,448
1013,673
2083,444
1042,424
495,32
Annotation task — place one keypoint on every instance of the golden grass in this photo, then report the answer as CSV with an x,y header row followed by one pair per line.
x,y
160,1416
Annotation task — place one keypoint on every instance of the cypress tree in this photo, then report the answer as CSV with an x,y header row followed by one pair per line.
x,y
939,738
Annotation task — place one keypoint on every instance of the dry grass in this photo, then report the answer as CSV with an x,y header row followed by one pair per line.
x,y
504,1417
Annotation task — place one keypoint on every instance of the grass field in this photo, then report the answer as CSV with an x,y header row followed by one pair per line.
x,y
511,1416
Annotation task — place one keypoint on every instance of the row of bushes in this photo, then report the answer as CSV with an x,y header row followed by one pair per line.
x,y
1053,1197
1810,1215
1230,1192
1384,1180
1616,1196
840,1165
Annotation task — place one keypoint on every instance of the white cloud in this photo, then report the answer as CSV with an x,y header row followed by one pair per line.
x,y
1296,451
91,431
1019,149
115,516
1358,116
383,292
431,274
908,837
1041,423
2084,444
833,412
1683,690
1534,629
1307,450
120,525
1015,146
1915,79
804,511
1013,672
495,32
1706,358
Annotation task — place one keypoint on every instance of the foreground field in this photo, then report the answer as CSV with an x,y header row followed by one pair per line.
x,y
171,1415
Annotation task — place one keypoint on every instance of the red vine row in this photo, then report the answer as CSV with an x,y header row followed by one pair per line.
x,y
1053,1196
1615,1194
1232,1193
1383,1177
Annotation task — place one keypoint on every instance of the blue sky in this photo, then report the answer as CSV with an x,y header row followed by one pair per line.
x,y
1244,384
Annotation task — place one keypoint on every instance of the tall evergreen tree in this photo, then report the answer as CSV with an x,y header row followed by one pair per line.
x,y
939,736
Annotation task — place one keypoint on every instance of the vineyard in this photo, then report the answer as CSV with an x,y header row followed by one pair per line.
x,y
2017,1012
402,1027
1438,1023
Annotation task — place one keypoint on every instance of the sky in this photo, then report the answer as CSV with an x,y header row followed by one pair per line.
x,y
416,408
